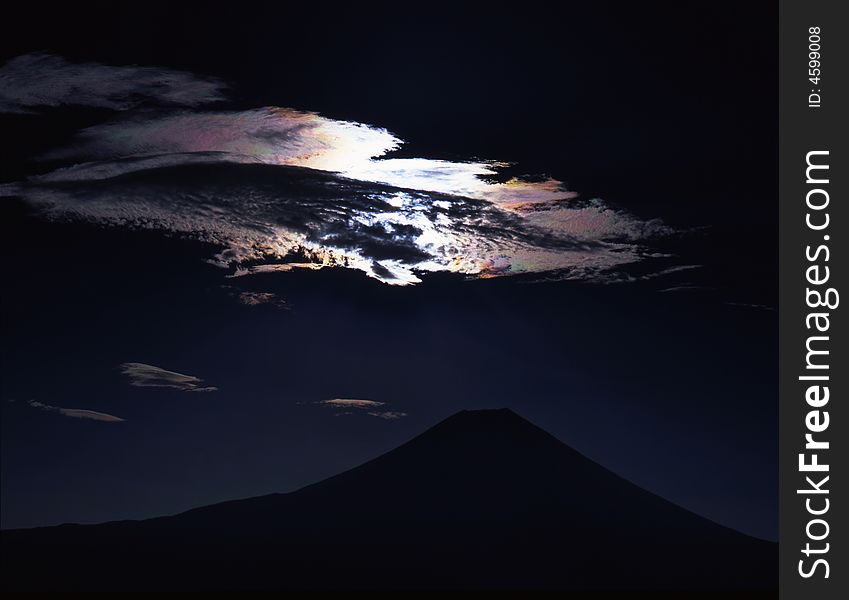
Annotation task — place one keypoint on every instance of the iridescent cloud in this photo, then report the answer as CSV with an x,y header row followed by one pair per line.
x,y
278,189
283,136
281,218
371,408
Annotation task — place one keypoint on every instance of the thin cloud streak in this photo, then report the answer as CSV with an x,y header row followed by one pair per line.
x,y
76,413
389,415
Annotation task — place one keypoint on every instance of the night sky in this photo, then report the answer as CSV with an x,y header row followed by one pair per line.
x,y
634,316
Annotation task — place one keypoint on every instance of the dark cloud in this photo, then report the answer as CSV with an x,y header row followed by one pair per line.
x,y
35,80
389,415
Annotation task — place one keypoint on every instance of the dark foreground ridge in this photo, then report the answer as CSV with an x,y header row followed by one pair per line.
x,y
484,499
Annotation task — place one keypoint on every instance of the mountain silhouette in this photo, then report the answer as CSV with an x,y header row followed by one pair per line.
x,y
483,499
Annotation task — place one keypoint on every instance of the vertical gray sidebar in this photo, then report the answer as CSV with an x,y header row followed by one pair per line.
x,y
814,222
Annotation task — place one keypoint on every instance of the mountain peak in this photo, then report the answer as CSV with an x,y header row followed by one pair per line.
x,y
480,422
486,411
486,414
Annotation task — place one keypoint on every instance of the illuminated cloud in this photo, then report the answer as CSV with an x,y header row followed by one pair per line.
x,y
259,298
142,375
276,268
277,189
273,218
271,135
35,80
351,403
371,408
283,136
76,413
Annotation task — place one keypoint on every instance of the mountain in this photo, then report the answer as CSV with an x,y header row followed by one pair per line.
x,y
484,499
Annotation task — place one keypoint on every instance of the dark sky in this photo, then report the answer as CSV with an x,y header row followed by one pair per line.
x,y
666,112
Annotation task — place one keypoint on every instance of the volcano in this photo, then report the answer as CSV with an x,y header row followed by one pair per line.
x,y
482,500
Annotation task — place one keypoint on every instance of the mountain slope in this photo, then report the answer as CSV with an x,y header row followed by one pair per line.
x,y
483,499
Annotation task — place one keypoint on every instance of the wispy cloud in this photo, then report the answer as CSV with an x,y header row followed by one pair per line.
x,y
687,288
142,375
371,408
34,80
388,414
76,413
350,403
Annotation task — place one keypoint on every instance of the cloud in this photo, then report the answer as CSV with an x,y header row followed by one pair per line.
x,y
267,218
259,298
270,135
34,80
607,276
371,408
142,375
388,414
284,136
278,188
351,403
77,413
687,288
